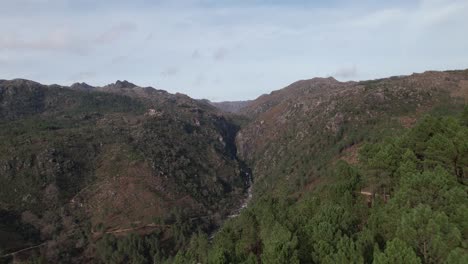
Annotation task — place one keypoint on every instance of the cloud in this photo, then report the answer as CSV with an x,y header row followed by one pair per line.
x,y
217,80
284,41
432,12
346,73
199,80
4,59
32,2
426,13
62,40
119,59
170,72
196,54
220,54
116,32
149,37
377,19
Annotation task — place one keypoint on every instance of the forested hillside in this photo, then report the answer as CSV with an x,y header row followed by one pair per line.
x,y
341,172
80,162
405,201
333,183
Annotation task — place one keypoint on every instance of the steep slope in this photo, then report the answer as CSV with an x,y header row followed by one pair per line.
x,y
356,172
343,173
79,162
417,214
299,130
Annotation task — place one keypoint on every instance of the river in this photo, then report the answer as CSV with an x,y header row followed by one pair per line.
x,y
236,212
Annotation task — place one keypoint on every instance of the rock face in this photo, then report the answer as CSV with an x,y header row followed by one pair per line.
x,y
327,117
82,87
95,159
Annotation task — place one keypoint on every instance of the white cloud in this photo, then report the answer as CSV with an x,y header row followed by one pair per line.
x,y
196,54
377,19
53,41
199,80
62,39
220,54
170,71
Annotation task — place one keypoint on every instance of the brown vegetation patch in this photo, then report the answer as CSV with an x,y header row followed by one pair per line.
x,y
407,121
123,201
351,154
462,90
127,191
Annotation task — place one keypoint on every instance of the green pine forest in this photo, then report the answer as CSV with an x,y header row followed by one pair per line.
x,y
418,212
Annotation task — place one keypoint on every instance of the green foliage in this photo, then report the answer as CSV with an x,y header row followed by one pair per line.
x,y
396,251
347,251
457,256
423,218
279,245
429,232
417,212
130,249
107,102
61,148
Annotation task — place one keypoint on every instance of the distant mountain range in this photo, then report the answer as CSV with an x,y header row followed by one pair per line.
x,y
231,106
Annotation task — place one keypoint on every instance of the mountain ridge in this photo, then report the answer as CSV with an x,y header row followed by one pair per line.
x,y
329,107
84,167
110,158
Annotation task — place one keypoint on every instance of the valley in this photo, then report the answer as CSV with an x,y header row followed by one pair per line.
x,y
320,171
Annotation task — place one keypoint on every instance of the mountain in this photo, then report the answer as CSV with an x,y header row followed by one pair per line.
x,y
341,172
298,130
352,172
81,162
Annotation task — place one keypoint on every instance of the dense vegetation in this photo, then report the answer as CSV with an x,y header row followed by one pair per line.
x,y
77,166
418,214
368,172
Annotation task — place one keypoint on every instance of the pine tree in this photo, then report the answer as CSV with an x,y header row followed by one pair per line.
x,y
396,251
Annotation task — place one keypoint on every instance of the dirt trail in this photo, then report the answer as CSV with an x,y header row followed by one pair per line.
x,y
121,230
12,254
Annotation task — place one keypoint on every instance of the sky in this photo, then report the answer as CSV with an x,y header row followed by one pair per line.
x,y
228,50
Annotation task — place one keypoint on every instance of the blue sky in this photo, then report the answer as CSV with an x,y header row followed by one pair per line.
x,y
228,50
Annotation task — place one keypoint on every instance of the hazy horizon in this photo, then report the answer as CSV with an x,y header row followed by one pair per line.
x,y
235,50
